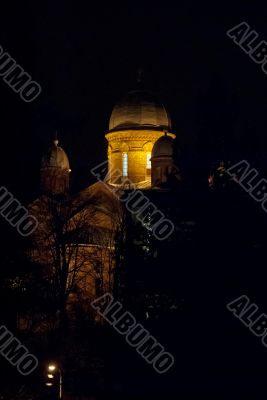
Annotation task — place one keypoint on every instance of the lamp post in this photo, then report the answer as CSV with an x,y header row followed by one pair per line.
x,y
53,368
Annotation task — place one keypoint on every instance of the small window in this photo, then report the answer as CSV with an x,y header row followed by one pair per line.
x,y
98,285
124,164
97,266
148,160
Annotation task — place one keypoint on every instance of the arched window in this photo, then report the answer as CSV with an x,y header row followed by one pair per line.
x,y
124,164
148,163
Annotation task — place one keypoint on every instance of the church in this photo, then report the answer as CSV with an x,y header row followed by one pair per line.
x,y
80,240
140,141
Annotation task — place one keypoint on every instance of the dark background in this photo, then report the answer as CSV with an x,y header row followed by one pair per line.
x,y
85,58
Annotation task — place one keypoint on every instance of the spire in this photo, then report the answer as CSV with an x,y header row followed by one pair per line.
x,y
56,139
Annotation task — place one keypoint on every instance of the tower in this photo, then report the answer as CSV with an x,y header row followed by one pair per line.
x,y
136,123
162,161
55,170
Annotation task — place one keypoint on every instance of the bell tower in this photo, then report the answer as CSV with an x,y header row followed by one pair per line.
x,y
55,170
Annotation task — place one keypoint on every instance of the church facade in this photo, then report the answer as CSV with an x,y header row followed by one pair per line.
x,y
77,239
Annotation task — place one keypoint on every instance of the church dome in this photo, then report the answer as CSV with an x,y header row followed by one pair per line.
x,y
139,109
56,157
163,147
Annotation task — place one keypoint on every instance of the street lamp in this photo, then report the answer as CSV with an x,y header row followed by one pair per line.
x,y
53,368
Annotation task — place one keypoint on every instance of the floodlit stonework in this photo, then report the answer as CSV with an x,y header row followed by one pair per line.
x,y
136,123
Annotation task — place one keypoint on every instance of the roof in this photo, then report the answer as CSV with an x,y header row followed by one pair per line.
x,y
55,157
163,147
139,109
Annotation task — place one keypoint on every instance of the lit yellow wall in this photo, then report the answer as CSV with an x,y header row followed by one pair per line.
x,y
136,143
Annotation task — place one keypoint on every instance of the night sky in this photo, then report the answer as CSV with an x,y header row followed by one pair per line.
x,y
86,58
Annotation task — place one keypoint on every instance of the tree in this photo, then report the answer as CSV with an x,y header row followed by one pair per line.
x,y
75,245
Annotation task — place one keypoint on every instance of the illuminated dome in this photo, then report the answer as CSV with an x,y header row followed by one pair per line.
x,y
139,109
56,157
163,147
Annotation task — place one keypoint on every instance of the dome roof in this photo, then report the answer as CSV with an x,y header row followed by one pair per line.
x,y
139,109
56,157
163,147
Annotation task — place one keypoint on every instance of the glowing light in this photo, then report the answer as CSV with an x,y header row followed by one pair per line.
x,y
132,151
148,160
51,367
50,376
211,180
124,164
49,384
